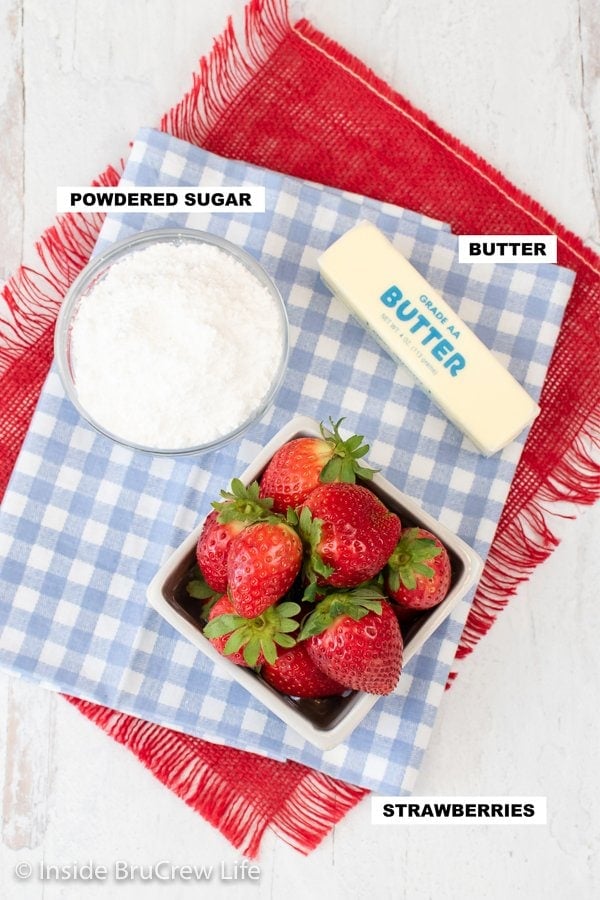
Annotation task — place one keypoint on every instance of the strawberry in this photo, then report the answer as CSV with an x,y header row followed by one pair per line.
x,y
212,549
239,508
350,532
263,562
418,571
295,674
354,638
221,608
251,642
299,466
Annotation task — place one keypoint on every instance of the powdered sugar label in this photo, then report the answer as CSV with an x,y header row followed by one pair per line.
x,y
167,200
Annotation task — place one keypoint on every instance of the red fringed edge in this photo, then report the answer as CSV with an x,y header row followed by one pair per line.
x,y
317,804
224,74
520,545
192,779
32,296
308,814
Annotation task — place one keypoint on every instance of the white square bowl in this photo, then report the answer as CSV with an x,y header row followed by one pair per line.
x,y
327,722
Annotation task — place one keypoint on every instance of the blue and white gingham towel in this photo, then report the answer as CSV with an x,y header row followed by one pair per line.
x,y
86,523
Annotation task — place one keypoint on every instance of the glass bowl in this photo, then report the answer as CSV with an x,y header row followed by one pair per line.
x,y
99,267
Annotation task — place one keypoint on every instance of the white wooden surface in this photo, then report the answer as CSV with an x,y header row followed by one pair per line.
x,y
519,83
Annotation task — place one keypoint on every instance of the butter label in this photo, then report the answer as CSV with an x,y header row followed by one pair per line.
x,y
429,335
507,248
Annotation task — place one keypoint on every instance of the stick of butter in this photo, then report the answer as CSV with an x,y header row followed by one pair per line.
x,y
416,327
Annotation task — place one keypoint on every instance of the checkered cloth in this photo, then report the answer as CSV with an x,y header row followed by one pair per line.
x,y
85,523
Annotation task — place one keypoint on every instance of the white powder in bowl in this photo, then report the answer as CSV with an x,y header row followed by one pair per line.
x,y
176,346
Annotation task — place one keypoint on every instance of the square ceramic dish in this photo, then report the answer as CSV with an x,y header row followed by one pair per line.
x,y
327,722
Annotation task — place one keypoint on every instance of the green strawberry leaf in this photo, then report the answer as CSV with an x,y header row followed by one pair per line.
x,y
237,489
199,590
343,465
354,443
407,576
242,504
331,471
315,623
251,636
291,517
364,472
347,470
409,559
310,592
355,603
236,641
288,608
309,530
207,607
361,451
252,651
284,640
394,580
422,569
221,625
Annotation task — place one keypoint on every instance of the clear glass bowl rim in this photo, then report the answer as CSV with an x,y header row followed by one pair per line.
x,y
112,254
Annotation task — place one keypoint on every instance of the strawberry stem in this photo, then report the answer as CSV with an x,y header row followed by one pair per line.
x,y
242,504
264,633
356,603
409,559
344,464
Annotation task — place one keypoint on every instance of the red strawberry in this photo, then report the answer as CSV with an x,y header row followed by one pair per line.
x,y
302,464
223,607
351,533
418,571
295,674
251,642
213,547
355,639
239,507
263,562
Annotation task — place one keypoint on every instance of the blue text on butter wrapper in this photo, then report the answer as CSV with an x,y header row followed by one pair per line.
x,y
439,347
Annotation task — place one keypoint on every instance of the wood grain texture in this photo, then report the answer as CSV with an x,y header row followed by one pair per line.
x,y
12,150
28,762
519,83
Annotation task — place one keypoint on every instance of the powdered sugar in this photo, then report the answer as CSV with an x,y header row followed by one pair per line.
x,y
178,345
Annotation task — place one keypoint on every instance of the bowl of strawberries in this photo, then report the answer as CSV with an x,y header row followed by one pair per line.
x,y
314,580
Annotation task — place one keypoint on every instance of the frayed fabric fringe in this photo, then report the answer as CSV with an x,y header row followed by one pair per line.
x,y
228,70
33,296
188,775
521,544
316,803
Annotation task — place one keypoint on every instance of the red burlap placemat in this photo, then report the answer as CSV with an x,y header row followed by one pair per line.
x,y
289,98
